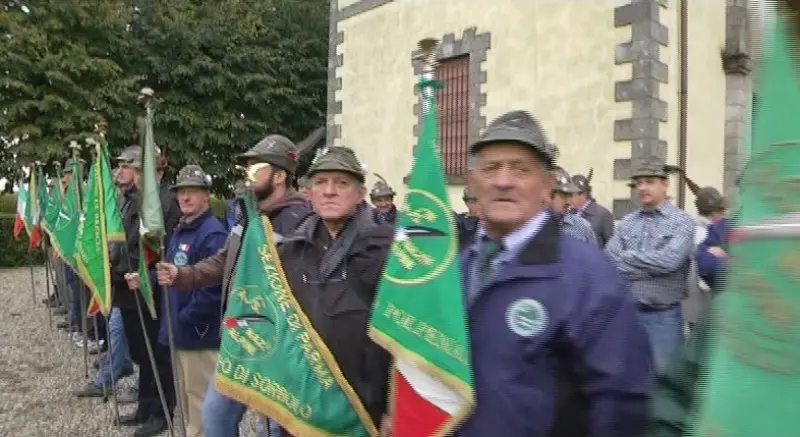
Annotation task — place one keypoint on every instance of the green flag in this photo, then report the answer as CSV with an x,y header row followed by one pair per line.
x,y
753,385
419,315
100,214
271,359
53,208
151,229
65,230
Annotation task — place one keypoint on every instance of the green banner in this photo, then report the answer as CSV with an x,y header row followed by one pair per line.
x,y
65,230
753,385
54,201
271,359
115,230
92,256
419,315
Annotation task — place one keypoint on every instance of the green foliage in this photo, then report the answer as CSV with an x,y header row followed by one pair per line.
x,y
219,206
61,77
14,253
226,74
8,204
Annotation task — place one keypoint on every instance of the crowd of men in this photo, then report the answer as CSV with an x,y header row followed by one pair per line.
x,y
606,314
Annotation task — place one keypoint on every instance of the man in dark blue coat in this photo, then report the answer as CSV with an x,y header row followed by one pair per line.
x,y
195,317
712,255
557,347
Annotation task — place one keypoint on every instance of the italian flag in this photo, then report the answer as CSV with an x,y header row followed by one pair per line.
x,y
33,212
420,315
19,219
422,405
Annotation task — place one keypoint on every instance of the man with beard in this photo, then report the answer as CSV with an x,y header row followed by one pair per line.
x,y
333,262
382,196
571,224
286,208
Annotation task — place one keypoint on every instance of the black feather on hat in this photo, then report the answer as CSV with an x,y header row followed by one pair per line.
x,y
308,149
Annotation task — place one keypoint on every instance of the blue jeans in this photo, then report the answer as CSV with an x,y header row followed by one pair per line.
x,y
222,416
665,332
119,357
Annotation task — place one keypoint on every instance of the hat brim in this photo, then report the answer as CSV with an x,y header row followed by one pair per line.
x,y
649,175
178,186
515,137
334,167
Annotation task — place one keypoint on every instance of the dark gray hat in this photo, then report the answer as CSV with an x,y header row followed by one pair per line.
x,y
564,182
518,127
582,183
338,159
650,167
708,200
468,196
381,188
276,150
132,156
239,188
192,176
302,182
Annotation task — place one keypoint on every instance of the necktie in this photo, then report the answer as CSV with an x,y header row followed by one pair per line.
x,y
489,250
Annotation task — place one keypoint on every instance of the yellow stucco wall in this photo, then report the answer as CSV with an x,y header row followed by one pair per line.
x,y
706,93
553,58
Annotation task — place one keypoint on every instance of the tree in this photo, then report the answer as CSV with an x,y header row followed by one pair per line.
x,y
229,73
60,78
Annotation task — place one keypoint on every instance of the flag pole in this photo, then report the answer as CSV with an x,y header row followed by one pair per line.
x,y
148,98
101,129
47,264
81,287
47,283
32,198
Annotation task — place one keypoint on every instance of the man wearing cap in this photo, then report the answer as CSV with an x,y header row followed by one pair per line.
x,y
571,224
195,317
557,348
652,249
149,414
382,196
712,256
597,215
286,208
467,222
333,263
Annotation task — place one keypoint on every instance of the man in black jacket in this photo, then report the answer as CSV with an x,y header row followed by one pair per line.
x,y
149,415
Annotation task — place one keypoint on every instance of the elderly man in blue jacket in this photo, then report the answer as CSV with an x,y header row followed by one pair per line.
x,y
557,347
195,316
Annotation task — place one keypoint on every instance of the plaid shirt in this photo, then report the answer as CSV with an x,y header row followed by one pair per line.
x,y
652,250
578,227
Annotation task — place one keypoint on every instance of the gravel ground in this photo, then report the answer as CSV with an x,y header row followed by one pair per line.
x,y
40,368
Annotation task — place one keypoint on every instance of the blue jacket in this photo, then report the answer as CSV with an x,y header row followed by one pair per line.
x,y
196,314
710,268
557,346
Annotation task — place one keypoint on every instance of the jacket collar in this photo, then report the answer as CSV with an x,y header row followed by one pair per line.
x,y
196,223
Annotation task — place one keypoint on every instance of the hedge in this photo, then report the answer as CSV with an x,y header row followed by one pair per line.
x,y
14,253
8,205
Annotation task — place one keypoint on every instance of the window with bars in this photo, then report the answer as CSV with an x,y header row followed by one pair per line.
x,y
453,111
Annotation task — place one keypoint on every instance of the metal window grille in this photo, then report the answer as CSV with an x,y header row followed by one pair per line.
x,y
453,112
